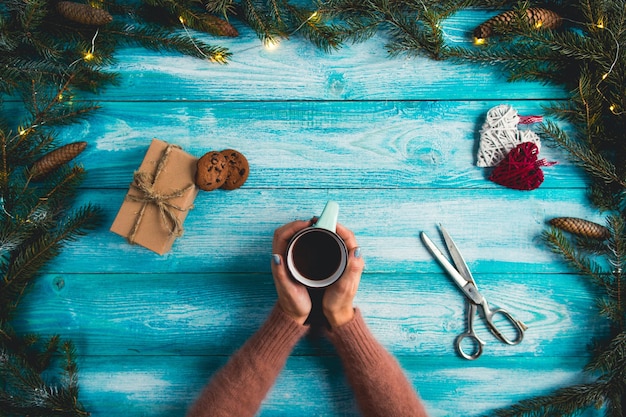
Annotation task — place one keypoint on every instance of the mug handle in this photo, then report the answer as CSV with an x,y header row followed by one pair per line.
x,y
316,318
329,216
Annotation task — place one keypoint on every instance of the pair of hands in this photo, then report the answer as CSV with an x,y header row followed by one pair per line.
x,y
294,298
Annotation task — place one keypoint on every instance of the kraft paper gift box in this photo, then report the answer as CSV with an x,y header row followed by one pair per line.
x,y
159,198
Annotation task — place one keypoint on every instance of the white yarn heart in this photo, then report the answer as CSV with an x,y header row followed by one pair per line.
x,y
499,135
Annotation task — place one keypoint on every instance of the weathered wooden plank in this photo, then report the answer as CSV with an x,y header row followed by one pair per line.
x,y
315,386
388,144
296,70
498,230
411,314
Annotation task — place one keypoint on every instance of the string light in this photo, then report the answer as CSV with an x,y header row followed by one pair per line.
x,y
315,17
217,57
479,41
268,44
89,55
271,44
613,107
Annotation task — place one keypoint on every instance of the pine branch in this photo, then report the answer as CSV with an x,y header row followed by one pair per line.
x,y
157,39
192,16
311,27
223,7
595,164
37,251
258,19
564,402
559,244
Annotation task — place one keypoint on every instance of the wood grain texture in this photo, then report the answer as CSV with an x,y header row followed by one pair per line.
x,y
498,230
393,141
211,314
156,386
298,71
390,144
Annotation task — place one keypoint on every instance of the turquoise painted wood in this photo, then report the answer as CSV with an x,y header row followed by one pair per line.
x,y
393,140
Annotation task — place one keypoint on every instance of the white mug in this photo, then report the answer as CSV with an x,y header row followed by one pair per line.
x,y
316,255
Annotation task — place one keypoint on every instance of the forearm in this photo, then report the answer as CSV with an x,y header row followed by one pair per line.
x,y
380,387
240,386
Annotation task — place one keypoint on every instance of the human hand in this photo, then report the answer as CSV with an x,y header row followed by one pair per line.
x,y
337,302
293,297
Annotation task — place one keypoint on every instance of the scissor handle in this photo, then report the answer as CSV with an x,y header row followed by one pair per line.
x,y
477,345
517,325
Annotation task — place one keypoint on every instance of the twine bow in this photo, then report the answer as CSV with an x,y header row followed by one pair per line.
x,y
144,183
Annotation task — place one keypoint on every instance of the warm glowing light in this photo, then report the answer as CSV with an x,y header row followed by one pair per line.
x,y
613,107
22,131
218,57
538,24
600,25
60,97
181,19
315,16
88,56
479,41
605,75
270,44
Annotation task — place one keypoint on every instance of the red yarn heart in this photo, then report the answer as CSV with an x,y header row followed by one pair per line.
x,y
520,169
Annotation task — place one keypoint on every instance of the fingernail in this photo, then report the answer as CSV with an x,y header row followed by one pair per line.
x,y
357,253
276,259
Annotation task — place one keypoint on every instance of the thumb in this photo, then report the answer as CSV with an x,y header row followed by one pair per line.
x,y
356,264
351,277
278,268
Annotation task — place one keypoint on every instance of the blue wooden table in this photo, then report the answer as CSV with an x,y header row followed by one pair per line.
x,y
393,141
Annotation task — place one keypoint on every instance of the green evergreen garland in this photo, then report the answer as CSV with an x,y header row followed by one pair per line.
x,y
46,57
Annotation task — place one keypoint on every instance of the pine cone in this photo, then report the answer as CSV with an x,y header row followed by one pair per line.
x,y
54,159
537,17
83,13
581,227
219,26
212,24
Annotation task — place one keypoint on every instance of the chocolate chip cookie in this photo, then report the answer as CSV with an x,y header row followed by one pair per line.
x,y
238,169
212,171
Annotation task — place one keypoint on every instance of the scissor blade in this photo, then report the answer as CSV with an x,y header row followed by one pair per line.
x,y
468,287
457,258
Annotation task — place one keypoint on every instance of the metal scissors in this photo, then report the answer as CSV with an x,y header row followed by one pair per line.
x,y
462,277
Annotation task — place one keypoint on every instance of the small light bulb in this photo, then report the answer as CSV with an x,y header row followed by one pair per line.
x,y
88,56
538,24
22,131
271,44
479,41
600,25
605,75
181,19
612,107
315,16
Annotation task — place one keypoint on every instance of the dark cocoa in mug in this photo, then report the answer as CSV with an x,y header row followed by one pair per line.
x,y
317,256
